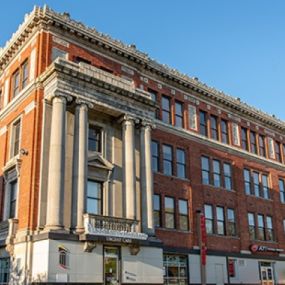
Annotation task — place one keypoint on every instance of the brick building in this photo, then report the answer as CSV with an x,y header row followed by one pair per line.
x,y
110,164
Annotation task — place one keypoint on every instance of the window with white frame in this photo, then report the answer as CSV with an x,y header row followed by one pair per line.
x,y
94,197
15,138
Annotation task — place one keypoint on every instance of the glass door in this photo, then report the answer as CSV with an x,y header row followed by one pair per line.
x,y
111,265
267,276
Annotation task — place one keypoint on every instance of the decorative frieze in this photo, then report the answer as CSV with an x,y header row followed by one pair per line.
x,y
192,113
236,137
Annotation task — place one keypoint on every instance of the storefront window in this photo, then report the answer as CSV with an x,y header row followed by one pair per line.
x,y
175,269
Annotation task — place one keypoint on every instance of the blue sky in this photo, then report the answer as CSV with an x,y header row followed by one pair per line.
x,y
235,46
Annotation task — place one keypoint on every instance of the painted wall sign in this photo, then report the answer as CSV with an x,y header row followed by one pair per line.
x,y
260,248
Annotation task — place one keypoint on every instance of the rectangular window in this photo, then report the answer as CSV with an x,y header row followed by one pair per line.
x,y
166,114
13,199
244,140
278,152
94,198
255,179
57,53
205,170
261,228
269,229
203,124
183,215
209,219
169,213
214,128
253,146
224,131
167,159
94,138
178,114
261,141
155,156
220,221
16,83
247,181
15,142
227,176
217,173
251,225
156,211
284,225
153,95
282,190
25,74
180,163
175,269
265,186
5,270
231,230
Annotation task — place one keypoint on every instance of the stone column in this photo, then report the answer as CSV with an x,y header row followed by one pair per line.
x,y
56,172
146,179
80,163
129,170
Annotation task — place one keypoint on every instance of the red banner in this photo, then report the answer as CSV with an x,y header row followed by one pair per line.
x,y
203,239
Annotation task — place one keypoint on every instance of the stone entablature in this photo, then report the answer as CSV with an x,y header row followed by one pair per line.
x,y
48,17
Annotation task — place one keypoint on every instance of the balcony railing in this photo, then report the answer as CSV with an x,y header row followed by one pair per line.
x,y
112,227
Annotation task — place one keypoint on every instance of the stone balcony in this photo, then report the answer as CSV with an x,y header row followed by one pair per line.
x,y
112,227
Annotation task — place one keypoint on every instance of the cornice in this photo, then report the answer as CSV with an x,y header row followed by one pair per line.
x,y
97,77
63,21
216,144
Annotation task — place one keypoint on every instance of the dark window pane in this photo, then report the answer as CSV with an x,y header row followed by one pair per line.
x,y
244,140
94,139
178,114
214,128
155,156
203,124
166,114
167,159
225,132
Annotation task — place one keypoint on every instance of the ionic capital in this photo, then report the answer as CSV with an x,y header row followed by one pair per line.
x,y
128,118
145,123
80,102
59,94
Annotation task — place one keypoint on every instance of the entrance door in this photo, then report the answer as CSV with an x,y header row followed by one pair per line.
x,y
267,276
219,270
111,265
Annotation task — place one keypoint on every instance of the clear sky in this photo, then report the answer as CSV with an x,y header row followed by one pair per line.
x,y
235,46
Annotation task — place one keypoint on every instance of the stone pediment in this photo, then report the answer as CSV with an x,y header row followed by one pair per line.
x,y
97,161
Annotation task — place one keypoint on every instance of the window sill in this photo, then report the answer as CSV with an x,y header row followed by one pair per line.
x,y
253,196
264,241
219,188
172,176
224,236
176,230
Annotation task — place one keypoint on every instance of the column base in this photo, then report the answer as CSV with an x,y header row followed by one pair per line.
x,y
54,228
